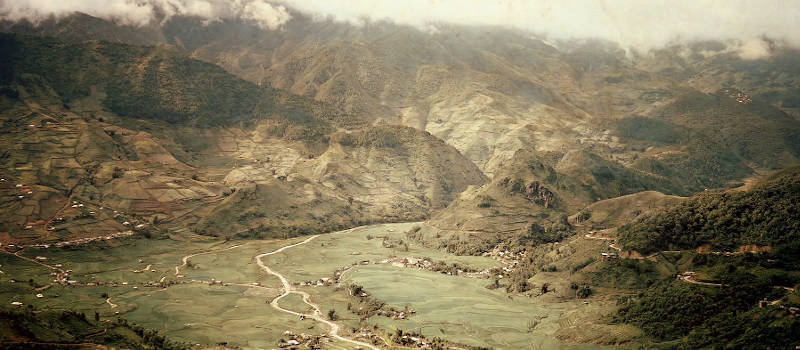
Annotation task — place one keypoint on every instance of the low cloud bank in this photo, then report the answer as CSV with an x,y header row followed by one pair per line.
x,y
752,28
143,12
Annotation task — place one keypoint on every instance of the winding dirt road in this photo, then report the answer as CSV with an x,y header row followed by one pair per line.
x,y
17,254
590,236
287,289
688,279
185,259
108,301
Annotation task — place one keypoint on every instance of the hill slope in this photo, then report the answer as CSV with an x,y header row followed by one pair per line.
x,y
122,136
529,201
490,91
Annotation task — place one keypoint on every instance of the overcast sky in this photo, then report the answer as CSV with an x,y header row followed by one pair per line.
x,y
641,25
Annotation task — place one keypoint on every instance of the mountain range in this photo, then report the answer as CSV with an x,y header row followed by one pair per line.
x,y
496,139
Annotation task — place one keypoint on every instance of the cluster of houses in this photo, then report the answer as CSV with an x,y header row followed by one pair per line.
x,y
413,339
409,262
738,96
161,284
23,191
428,264
11,248
609,255
85,240
62,277
214,282
509,259
367,336
292,340
793,310
80,241
324,281
396,314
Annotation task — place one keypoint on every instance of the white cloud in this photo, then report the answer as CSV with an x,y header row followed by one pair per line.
x,y
264,14
143,12
753,49
199,8
639,25
123,11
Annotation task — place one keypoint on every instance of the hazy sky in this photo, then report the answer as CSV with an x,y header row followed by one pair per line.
x,y
641,25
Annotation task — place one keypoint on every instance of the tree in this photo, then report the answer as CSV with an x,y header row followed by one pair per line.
x,y
545,288
583,292
96,317
332,314
104,295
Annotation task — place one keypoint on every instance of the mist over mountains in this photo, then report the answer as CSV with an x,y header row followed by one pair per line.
x,y
751,31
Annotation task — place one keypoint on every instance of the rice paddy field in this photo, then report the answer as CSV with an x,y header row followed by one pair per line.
x,y
464,309
221,295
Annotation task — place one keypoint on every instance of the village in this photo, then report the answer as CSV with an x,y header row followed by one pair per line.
x,y
76,212
292,340
739,96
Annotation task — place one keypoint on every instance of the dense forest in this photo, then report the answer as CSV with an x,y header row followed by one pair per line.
x,y
768,214
732,316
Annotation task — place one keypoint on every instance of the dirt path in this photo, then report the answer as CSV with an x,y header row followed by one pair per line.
x,y
17,254
147,268
287,289
47,223
688,279
598,237
185,259
108,301
613,246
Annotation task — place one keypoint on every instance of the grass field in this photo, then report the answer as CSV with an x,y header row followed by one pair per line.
x,y
210,314
463,309
456,308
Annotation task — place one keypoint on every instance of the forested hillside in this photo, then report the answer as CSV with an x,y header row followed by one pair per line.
x,y
768,214
737,251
